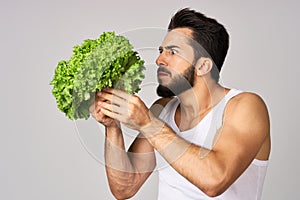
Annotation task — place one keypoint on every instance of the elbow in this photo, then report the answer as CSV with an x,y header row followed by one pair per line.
x,y
123,190
124,187
216,187
213,192
122,194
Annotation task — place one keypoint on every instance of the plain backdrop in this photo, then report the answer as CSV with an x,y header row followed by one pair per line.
x,y
46,156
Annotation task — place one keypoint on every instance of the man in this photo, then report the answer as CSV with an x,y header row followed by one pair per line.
x,y
208,141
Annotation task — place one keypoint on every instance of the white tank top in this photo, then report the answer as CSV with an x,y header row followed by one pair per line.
x,y
173,186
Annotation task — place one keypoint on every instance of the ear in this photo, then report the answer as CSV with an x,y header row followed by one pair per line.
x,y
203,66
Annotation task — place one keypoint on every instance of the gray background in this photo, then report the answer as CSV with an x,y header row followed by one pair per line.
x,y
42,154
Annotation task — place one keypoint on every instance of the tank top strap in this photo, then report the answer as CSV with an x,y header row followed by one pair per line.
x,y
220,108
216,121
169,109
232,93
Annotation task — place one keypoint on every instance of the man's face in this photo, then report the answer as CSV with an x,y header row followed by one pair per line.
x,y
176,71
178,84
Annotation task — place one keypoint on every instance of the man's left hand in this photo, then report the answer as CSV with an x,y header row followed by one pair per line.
x,y
126,108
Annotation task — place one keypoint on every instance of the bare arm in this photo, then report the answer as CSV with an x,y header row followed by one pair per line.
x,y
126,171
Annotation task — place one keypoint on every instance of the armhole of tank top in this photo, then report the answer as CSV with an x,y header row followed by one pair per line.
x,y
256,162
220,118
231,94
260,163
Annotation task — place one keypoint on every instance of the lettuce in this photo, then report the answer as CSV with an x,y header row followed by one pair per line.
x,y
108,61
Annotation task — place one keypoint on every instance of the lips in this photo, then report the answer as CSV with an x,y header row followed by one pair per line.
x,y
163,74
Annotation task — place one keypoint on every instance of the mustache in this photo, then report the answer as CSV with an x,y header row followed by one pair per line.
x,y
163,69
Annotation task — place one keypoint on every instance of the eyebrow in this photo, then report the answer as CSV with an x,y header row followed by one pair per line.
x,y
169,47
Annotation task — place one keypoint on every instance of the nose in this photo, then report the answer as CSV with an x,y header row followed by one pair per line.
x,y
162,59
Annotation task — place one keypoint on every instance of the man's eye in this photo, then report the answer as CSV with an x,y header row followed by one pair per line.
x,y
160,50
173,51
169,50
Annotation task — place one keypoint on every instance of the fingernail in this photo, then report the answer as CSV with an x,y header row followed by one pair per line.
x,y
99,93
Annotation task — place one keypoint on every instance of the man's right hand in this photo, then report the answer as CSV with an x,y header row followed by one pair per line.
x,y
95,111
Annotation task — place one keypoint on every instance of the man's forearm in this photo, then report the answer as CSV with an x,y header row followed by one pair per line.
x,y
120,172
164,140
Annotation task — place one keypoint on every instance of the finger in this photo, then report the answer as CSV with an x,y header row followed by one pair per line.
x,y
110,114
116,100
98,96
119,93
109,106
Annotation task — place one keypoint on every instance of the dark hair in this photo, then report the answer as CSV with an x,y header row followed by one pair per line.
x,y
211,35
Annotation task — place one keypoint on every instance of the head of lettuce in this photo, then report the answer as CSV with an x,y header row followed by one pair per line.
x,y
106,62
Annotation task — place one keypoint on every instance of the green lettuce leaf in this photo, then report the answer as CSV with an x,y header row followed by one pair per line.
x,y
106,62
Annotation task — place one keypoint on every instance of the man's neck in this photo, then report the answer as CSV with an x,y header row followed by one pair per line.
x,y
200,99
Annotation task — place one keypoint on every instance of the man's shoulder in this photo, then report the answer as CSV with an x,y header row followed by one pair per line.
x,y
246,106
159,105
246,100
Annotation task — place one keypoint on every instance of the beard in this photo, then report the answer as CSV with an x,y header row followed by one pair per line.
x,y
178,84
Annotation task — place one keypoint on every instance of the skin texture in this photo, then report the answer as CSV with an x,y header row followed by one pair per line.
x,y
244,135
